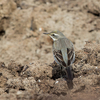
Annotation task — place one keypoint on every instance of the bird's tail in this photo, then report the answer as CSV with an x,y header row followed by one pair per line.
x,y
69,73
70,77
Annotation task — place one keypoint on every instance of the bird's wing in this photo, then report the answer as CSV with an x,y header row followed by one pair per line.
x,y
71,55
59,58
69,50
65,56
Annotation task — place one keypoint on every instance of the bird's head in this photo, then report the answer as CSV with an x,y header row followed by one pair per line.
x,y
55,35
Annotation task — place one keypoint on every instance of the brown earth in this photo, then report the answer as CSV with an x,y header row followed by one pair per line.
x,y
27,71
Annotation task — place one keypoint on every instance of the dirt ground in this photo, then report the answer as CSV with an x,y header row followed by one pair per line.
x,y
27,71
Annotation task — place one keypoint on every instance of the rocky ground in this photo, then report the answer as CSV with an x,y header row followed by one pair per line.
x,y
27,71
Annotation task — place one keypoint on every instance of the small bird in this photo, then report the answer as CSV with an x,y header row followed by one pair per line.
x,y
63,51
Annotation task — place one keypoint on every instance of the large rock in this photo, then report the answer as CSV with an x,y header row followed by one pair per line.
x,y
25,4
94,6
21,22
6,9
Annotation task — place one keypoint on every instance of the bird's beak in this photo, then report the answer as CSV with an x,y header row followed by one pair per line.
x,y
46,33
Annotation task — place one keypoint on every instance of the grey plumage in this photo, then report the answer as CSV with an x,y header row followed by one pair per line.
x,y
63,51
64,54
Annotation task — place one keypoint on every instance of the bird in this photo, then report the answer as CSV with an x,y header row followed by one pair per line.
x,y
63,51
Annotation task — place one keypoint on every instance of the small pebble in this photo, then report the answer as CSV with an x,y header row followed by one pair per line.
x,y
19,92
40,29
56,82
31,63
39,80
2,65
19,8
66,2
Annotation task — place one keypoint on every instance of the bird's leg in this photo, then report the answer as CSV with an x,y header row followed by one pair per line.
x,y
65,74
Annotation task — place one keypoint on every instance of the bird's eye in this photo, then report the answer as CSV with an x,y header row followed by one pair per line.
x,y
53,34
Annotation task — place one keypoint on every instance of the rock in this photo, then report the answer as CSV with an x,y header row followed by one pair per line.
x,y
20,23
30,84
1,91
38,71
25,95
24,4
11,96
15,83
15,68
6,9
94,6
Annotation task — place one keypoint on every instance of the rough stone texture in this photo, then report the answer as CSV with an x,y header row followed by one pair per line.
x,y
27,71
94,6
6,9
40,82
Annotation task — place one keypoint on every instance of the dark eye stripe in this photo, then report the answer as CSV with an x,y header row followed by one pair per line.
x,y
53,35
